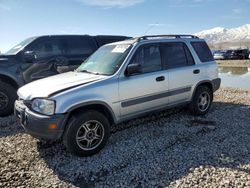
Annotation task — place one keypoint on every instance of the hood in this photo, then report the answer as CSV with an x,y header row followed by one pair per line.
x,y
48,86
5,58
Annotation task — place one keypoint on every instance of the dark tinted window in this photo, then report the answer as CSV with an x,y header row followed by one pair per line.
x,y
149,58
176,54
80,46
102,40
203,51
47,48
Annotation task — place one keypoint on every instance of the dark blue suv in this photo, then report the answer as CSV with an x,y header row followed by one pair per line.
x,y
43,56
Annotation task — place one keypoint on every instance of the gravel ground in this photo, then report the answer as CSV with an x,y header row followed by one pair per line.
x,y
168,149
233,63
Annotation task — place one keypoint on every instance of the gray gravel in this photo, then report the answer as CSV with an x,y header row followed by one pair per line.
x,y
169,149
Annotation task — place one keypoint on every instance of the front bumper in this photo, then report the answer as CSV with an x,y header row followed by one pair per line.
x,y
38,125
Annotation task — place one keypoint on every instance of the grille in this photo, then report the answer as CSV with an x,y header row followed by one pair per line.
x,y
27,104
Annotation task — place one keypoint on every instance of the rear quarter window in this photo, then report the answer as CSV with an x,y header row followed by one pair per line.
x,y
203,51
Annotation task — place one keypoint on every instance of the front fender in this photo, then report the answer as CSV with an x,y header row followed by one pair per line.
x,y
95,102
104,92
13,76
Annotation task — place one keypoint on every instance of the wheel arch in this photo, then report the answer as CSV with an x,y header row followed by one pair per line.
x,y
206,83
99,106
9,80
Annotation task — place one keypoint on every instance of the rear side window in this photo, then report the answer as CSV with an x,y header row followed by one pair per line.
x,y
176,54
149,58
80,46
203,51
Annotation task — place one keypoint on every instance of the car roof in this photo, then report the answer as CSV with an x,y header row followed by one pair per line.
x,y
78,35
158,38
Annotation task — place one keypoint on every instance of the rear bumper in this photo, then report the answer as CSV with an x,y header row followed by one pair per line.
x,y
38,125
216,84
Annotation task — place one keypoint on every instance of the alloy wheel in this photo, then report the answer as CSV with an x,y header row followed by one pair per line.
x,y
90,135
204,101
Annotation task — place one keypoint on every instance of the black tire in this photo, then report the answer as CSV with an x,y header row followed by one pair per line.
x,y
7,99
77,125
196,106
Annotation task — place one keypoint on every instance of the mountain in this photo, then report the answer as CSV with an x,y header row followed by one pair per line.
x,y
220,34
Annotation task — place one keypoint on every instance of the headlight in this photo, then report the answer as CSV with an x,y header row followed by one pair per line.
x,y
43,106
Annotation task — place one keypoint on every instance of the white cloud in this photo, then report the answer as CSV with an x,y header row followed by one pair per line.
x,y
188,3
156,24
112,3
67,32
70,30
236,11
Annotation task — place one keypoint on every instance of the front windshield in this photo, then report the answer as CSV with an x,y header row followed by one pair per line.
x,y
106,61
20,46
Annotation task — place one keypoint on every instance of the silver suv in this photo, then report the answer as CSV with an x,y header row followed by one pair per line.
x,y
120,81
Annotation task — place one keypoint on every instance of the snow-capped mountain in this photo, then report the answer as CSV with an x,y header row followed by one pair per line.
x,y
220,34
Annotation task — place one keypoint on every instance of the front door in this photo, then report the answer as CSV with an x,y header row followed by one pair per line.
x,y
49,57
145,91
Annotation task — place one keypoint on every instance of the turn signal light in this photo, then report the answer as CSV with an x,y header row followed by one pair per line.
x,y
52,126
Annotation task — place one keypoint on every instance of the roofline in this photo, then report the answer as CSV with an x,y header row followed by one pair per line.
x,y
175,36
79,35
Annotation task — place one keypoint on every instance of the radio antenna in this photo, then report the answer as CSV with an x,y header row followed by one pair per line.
x,y
151,26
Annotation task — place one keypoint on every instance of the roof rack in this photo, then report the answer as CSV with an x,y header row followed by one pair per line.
x,y
166,36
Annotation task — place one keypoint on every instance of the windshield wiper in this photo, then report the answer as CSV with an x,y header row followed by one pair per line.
x,y
95,73
86,71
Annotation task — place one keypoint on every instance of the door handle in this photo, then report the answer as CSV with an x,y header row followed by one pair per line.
x,y
196,71
160,78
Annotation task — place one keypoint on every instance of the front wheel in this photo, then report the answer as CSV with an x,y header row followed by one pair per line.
x,y
7,99
86,133
201,101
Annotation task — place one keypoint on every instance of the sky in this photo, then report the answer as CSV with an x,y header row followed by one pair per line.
x,y
20,19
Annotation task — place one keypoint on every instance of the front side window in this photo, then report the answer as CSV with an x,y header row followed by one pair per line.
x,y
176,54
46,49
149,58
106,60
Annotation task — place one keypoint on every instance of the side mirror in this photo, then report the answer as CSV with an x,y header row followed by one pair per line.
x,y
29,56
133,69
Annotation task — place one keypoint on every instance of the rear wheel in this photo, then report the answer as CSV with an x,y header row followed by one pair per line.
x,y
87,133
202,101
7,99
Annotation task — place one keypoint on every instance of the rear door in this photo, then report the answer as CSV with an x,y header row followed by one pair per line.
x,y
145,91
78,49
179,62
